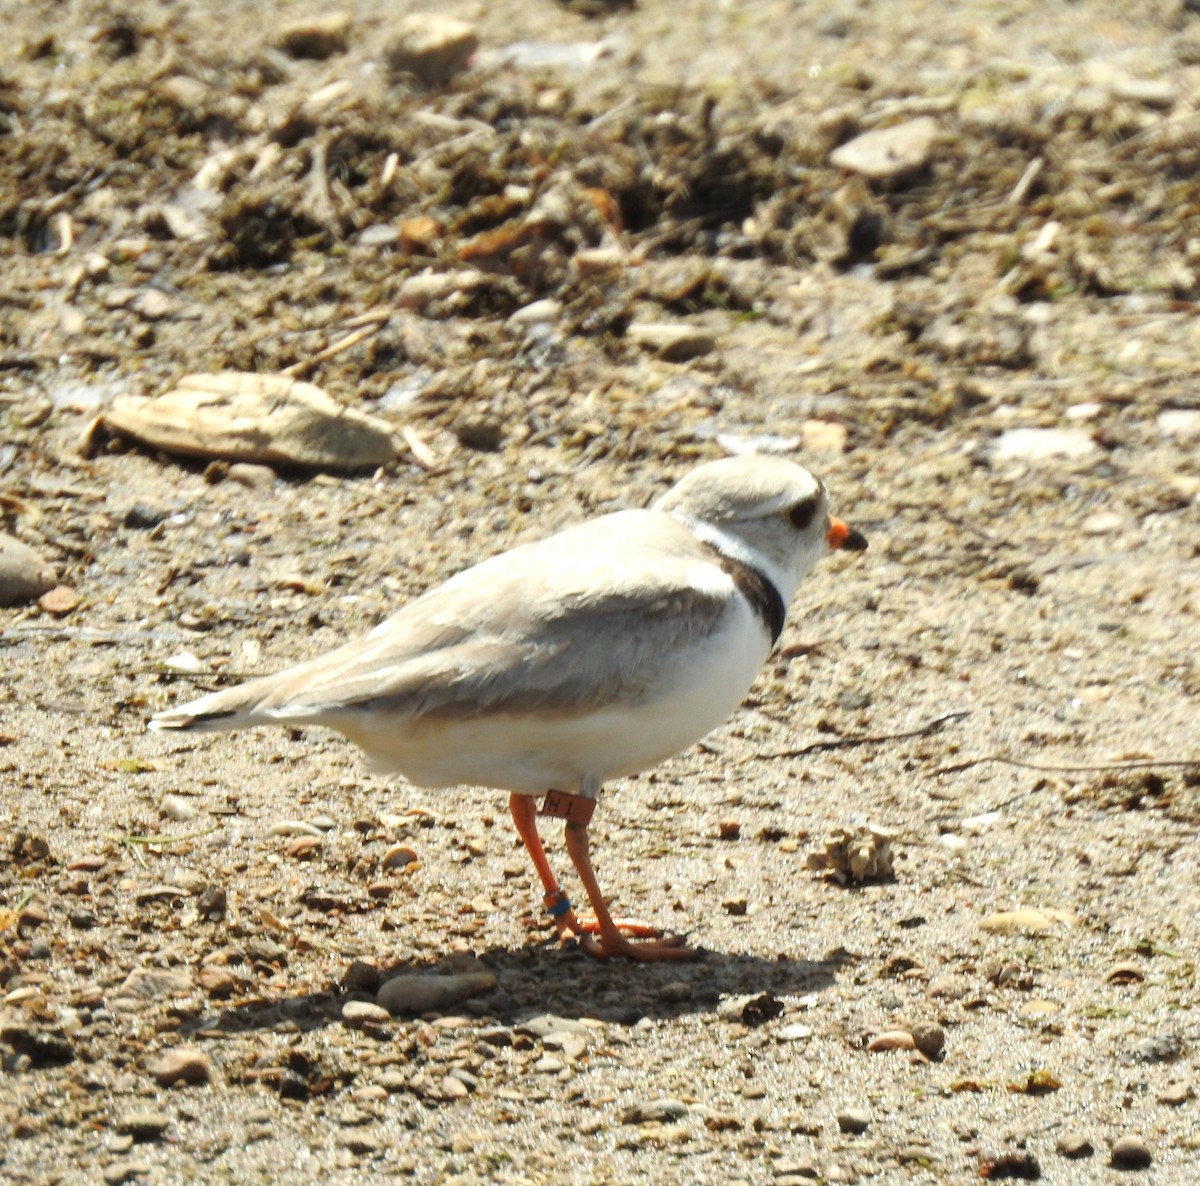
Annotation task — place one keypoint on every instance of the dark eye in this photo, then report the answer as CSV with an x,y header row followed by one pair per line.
x,y
801,515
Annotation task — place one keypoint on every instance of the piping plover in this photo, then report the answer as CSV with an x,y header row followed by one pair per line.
x,y
550,668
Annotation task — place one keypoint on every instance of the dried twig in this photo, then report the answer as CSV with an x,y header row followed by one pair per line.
x,y
1046,768
818,747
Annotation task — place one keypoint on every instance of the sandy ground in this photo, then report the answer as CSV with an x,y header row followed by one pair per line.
x,y
1006,683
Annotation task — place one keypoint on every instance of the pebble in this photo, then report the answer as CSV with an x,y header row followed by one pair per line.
x,y
1175,1094
125,1171
420,993
930,1038
854,1120
1030,921
750,1010
1012,1163
1074,1145
177,808
431,46
549,1064
24,575
154,984
398,856
675,992
217,982
295,827
427,288
655,1111
357,1014
892,1040
1043,444
251,476
144,1124
545,1024
673,343
1181,423
185,1065
60,600
537,313
795,1033
1159,1048
316,36
1130,1153
884,153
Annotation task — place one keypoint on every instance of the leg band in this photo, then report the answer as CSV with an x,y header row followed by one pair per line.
x,y
558,904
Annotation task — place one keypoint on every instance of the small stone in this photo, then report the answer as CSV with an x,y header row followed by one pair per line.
x,y
125,1171
1130,1153
655,1111
420,993
143,1124
853,1120
397,856
24,575
1044,444
1181,423
750,1010
217,982
824,436
1012,1163
736,907
357,1014
947,988
1074,1145
294,827
431,46
60,600
892,1040
930,1038
545,1024
316,37
382,234
1175,1094
484,434
499,1036
362,976
675,992
795,1033
141,517
889,152
253,477
1159,1048
673,343
1030,921
155,984
185,1065
177,808
549,1064
536,313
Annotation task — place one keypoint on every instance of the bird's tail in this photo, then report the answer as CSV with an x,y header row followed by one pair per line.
x,y
231,708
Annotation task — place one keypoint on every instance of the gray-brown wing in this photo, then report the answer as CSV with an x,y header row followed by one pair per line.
x,y
584,618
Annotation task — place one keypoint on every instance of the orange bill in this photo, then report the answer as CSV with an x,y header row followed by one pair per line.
x,y
841,535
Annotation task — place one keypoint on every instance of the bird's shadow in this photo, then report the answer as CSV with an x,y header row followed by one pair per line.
x,y
566,982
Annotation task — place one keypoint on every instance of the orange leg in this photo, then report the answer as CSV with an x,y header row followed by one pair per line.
x,y
612,941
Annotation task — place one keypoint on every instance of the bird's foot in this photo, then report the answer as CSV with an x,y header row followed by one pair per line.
x,y
624,939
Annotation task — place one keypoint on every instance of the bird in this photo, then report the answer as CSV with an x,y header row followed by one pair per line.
x,y
589,655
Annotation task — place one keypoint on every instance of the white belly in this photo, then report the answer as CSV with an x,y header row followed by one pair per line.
x,y
559,751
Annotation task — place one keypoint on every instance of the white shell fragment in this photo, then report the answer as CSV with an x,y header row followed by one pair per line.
x,y
889,152
265,419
